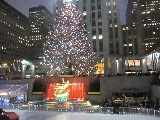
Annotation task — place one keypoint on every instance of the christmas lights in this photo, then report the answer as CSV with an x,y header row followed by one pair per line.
x,y
67,50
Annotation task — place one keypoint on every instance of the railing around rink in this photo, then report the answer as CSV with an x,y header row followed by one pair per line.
x,y
90,109
143,111
54,107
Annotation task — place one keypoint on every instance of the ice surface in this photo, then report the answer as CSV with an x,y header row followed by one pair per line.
x,y
52,115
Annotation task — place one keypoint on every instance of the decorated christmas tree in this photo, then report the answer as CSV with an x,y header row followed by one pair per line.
x,y
67,50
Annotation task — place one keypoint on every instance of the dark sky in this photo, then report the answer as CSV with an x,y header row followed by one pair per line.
x,y
24,5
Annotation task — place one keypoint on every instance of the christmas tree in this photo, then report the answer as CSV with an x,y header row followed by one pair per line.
x,y
67,50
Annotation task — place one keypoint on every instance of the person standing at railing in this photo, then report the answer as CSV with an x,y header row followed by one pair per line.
x,y
1,111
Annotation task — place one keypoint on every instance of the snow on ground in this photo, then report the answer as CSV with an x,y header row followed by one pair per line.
x,y
52,115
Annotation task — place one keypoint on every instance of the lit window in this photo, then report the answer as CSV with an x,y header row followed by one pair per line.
x,y
84,13
135,4
100,36
109,4
148,11
94,37
143,12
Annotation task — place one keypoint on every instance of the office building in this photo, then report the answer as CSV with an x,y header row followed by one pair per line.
x,y
41,23
143,30
14,37
143,16
150,11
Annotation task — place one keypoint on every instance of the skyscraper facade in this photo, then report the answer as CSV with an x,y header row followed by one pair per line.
x,y
41,21
143,17
133,43
14,35
150,11
141,33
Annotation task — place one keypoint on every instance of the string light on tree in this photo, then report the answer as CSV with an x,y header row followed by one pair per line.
x,y
67,49
67,1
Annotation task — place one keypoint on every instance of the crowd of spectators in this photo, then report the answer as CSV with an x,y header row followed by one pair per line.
x,y
133,74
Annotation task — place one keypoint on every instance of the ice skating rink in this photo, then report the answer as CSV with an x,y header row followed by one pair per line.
x,y
52,115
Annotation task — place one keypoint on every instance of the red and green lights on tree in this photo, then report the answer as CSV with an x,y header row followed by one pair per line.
x,y
67,50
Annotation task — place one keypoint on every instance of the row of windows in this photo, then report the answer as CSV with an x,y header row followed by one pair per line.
x,y
111,35
94,31
14,51
111,47
13,27
92,1
100,45
130,51
92,5
8,37
94,23
10,13
114,20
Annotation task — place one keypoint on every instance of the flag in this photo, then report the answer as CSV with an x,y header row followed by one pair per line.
x,y
19,69
14,67
109,62
120,59
126,62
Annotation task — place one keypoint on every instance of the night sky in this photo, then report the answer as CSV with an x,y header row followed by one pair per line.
x,y
24,5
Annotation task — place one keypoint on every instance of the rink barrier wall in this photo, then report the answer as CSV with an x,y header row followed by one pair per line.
x,y
108,85
88,109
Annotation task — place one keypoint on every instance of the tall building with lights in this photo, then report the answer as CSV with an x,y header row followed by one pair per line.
x,y
150,10
131,37
133,45
102,21
141,34
41,20
143,16
14,35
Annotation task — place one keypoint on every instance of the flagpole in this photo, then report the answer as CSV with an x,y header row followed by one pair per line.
x,y
109,65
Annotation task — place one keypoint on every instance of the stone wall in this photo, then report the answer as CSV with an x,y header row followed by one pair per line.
x,y
155,95
94,99
108,85
37,97
124,84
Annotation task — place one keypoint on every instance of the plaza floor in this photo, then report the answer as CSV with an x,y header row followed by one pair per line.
x,y
52,115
